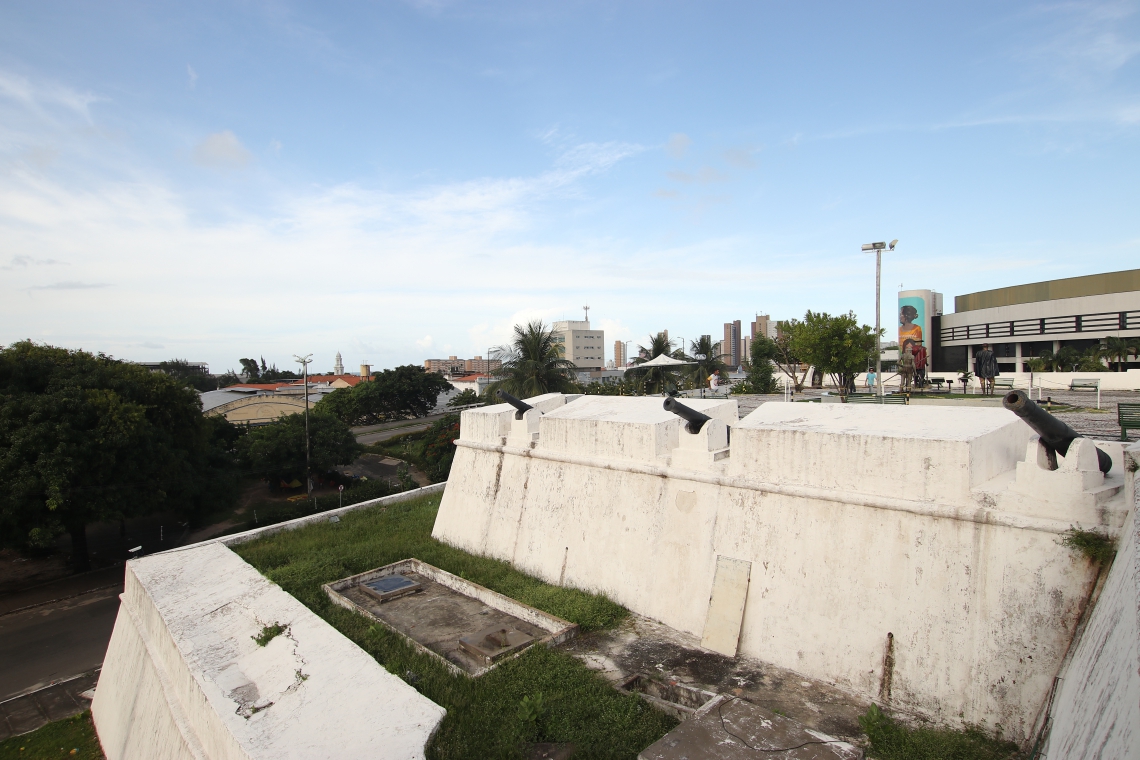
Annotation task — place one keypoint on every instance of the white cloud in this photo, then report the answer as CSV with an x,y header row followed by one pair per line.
x,y
222,150
42,97
424,342
741,158
678,145
72,285
193,75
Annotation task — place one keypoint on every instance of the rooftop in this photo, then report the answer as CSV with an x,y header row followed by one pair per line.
x,y
1050,290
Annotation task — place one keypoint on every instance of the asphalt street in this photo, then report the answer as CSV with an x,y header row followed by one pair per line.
x,y
55,641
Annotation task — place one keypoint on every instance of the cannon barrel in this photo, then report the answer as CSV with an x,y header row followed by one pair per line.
x,y
694,420
1056,435
520,406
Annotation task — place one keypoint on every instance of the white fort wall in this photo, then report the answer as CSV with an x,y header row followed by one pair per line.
x,y
184,679
859,522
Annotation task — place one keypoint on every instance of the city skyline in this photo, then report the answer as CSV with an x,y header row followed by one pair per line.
x,y
401,180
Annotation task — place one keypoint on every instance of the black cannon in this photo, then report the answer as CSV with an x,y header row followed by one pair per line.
x,y
520,406
694,420
1055,435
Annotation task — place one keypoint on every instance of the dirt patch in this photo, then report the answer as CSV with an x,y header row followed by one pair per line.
x,y
641,645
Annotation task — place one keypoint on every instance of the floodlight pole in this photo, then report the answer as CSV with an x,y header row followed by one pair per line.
x,y
878,249
304,362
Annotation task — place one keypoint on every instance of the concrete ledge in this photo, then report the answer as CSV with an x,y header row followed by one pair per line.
x,y
185,678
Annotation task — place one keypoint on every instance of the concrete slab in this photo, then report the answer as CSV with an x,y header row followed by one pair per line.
x,y
726,605
61,700
469,627
739,730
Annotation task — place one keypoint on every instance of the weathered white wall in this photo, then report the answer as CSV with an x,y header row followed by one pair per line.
x,y
183,677
859,521
1096,711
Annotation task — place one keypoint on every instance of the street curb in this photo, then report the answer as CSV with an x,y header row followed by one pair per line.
x,y
61,599
51,685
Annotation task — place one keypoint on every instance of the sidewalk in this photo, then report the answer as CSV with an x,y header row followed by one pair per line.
x,y
64,588
28,712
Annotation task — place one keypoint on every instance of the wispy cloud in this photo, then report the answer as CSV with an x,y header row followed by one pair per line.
x,y
678,145
222,150
192,82
72,286
42,97
23,262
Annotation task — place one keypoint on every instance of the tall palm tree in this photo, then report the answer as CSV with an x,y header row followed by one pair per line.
x,y
657,379
534,363
1119,349
708,360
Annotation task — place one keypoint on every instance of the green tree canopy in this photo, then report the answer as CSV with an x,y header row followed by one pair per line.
x,y
194,377
87,438
763,352
838,346
407,391
277,450
533,364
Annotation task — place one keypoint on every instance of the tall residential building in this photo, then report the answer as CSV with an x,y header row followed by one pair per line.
x,y
766,326
619,354
731,346
454,366
581,344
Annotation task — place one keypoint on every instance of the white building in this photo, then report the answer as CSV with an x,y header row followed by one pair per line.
x,y
583,346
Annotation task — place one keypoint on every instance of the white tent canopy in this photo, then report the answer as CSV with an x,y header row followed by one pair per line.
x,y
661,360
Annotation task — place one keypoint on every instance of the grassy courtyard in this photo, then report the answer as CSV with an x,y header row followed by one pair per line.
x,y
68,739
542,696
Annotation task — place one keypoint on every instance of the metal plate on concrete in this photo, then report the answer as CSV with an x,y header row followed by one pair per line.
x,y
726,606
391,586
739,730
491,644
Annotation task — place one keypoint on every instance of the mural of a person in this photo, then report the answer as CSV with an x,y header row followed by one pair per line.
x,y
908,329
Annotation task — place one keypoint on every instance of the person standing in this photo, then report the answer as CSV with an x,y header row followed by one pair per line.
x,y
919,364
985,367
870,381
714,381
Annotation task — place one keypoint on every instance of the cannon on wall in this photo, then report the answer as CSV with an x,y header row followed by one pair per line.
x,y
694,420
520,406
1055,435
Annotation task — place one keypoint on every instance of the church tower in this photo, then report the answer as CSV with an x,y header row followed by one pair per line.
x,y
338,368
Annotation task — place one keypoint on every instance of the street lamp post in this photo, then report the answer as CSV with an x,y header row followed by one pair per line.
x,y
304,362
878,249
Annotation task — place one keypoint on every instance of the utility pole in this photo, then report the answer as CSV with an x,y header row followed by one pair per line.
x,y
878,249
304,362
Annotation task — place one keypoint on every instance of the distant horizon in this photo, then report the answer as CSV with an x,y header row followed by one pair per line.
x,y
408,180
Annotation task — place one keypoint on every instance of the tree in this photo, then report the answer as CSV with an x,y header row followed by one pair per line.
x,y
467,397
1119,349
407,391
277,450
195,377
250,369
87,438
837,346
708,359
534,363
439,447
786,358
657,379
763,352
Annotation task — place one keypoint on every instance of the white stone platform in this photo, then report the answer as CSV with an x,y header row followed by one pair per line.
x,y
184,678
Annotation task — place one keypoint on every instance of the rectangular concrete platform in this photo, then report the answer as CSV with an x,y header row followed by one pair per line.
x,y
470,628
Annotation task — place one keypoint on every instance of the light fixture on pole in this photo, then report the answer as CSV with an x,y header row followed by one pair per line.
x,y
878,249
304,361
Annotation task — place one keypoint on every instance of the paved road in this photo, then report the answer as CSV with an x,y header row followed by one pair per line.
x,y
55,641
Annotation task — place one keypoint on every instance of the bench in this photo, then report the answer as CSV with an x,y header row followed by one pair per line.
x,y
1003,382
938,382
1092,384
1128,417
871,398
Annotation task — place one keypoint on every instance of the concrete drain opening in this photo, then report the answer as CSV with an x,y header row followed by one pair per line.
x,y
680,701
470,628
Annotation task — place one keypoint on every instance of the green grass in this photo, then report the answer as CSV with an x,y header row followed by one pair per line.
x,y
1095,546
893,741
56,740
544,695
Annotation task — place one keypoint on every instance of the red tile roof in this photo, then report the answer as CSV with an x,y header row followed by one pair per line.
x,y
468,378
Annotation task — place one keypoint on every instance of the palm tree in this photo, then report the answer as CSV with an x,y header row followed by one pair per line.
x,y
533,364
657,379
704,353
1119,349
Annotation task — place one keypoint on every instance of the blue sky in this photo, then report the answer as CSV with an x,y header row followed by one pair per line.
x,y
405,180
